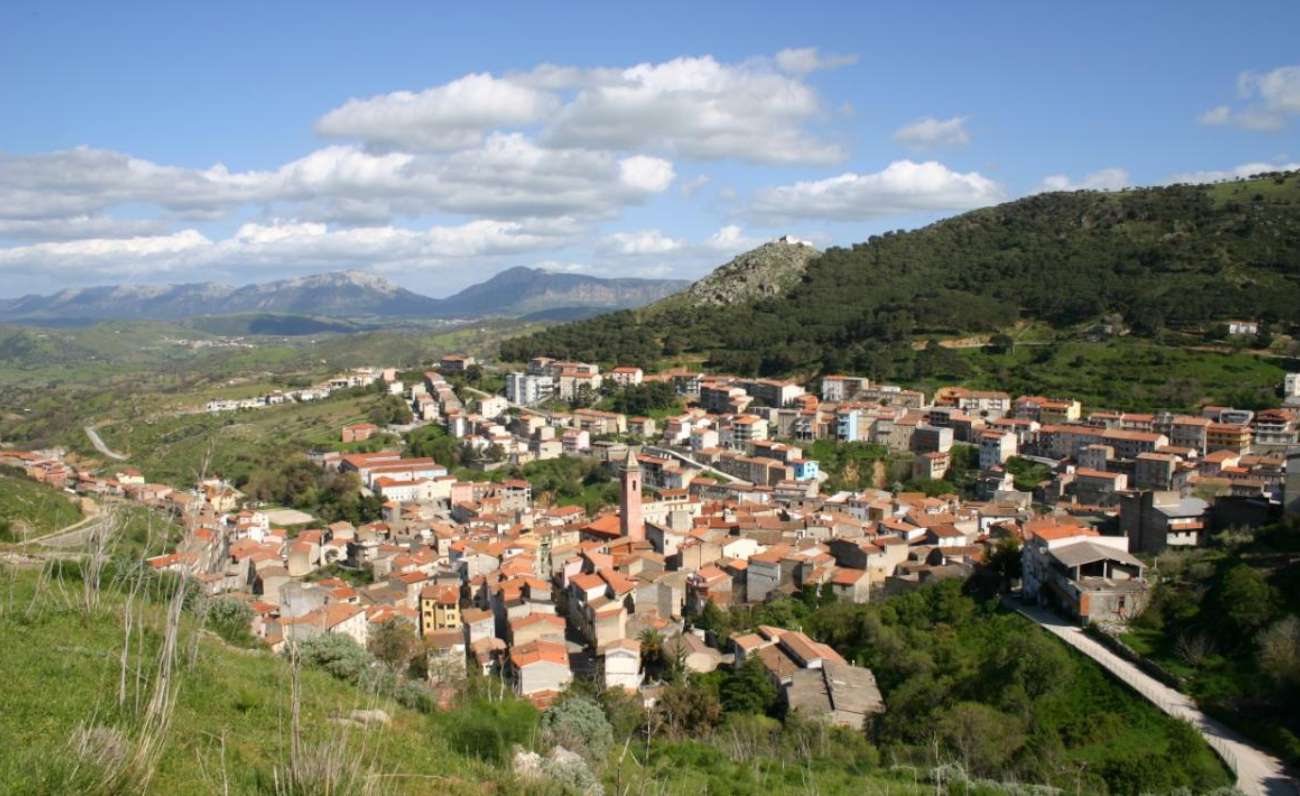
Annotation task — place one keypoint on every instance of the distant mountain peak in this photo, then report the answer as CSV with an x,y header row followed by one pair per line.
x,y
342,294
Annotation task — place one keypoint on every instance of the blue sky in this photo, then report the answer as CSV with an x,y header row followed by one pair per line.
x,y
245,142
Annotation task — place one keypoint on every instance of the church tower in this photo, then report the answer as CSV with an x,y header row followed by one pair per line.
x,y
629,498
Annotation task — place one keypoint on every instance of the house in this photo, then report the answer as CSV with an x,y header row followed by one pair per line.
x,y
439,609
620,665
455,363
1083,574
1156,520
539,668
836,692
995,448
359,432
1236,328
851,585
626,376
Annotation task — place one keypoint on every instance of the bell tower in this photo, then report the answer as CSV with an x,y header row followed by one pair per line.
x,y
629,498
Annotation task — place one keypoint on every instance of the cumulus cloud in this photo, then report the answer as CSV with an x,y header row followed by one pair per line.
x,y
1234,173
731,239
507,176
803,60
256,248
640,242
1268,101
1217,115
696,108
451,116
694,185
903,187
1110,179
74,227
931,133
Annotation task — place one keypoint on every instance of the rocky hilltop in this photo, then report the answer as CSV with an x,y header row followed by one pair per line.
x,y
770,270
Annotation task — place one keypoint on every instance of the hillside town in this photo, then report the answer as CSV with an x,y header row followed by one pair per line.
x,y
718,506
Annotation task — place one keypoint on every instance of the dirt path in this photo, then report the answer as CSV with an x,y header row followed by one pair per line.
x,y
1258,772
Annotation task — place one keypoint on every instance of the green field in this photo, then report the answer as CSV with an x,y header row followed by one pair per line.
x,y
34,509
1123,374
176,449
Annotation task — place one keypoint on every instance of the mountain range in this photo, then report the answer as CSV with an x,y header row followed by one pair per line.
x,y
344,294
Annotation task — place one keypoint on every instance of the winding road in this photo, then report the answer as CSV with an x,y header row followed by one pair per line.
x,y
1258,772
101,447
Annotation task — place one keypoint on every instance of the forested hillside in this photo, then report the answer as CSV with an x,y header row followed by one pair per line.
x,y
1177,256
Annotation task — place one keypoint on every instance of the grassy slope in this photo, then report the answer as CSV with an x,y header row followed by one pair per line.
x,y
40,509
172,449
62,671
1128,374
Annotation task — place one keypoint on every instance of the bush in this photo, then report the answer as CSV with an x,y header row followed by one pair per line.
x,y
339,655
489,729
1279,652
579,725
232,620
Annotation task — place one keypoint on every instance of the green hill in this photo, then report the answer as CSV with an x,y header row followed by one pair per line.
x,y
30,509
1154,260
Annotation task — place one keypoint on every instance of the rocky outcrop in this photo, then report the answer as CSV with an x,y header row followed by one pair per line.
x,y
769,270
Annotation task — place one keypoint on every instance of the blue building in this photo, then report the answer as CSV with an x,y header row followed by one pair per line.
x,y
806,469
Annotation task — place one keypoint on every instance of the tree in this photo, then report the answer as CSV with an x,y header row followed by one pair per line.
x,y
394,643
1245,601
984,737
748,689
687,709
1005,562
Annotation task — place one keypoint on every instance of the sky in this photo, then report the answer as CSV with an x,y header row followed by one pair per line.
x,y
438,143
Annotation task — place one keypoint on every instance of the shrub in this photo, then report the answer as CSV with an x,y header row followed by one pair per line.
x,y
1279,652
339,655
579,725
231,619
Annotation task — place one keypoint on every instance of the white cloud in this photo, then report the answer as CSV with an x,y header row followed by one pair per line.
x,y
1235,173
696,108
930,133
257,249
451,116
74,227
508,176
803,60
563,267
1270,100
693,186
731,238
1109,179
903,187
640,242
1220,114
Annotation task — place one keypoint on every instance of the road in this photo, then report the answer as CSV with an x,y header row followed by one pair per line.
x,y
73,535
654,449
101,447
1258,772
